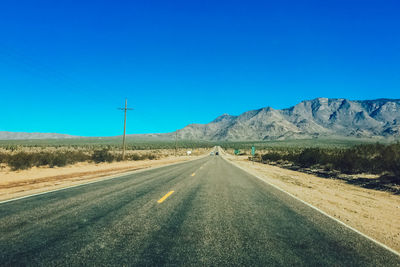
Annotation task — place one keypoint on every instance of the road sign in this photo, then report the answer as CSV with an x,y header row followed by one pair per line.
x,y
253,150
237,151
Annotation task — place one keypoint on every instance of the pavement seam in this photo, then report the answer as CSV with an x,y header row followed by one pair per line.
x,y
317,209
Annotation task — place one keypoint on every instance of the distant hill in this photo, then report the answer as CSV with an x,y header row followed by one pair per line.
x,y
23,135
317,118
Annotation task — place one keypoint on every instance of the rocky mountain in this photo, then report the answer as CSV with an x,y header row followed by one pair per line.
x,y
317,118
23,135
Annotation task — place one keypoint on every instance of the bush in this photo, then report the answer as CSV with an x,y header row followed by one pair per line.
x,y
272,156
390,159
3,158
21,161
149,156
59,156
76,156
310,157
102,156
43,158
134,156
347,162
59,160
372,158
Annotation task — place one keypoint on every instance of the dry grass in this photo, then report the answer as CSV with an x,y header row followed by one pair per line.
x,y
22,158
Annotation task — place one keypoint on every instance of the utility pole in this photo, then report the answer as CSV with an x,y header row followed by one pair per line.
x,y
191,141
123,140
176,140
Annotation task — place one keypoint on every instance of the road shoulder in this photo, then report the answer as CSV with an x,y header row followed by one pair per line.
x,y
369,211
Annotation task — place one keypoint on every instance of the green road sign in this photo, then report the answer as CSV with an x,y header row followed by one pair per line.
x,y
253,150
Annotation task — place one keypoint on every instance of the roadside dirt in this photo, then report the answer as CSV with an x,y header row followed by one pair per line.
x,y
15,184
374,213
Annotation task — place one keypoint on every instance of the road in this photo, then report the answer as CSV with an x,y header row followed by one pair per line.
x,y
216,215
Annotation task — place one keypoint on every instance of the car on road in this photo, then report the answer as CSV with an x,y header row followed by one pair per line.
x,y
216,153
212,153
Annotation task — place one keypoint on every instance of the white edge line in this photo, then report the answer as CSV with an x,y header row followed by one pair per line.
x,y
317,209
114,176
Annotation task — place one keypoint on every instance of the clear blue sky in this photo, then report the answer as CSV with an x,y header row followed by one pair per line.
x,y
65,66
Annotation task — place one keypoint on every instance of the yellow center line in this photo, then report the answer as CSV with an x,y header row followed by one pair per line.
x,y
193,174
165,197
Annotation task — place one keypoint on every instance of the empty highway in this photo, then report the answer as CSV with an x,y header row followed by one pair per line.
x,y
198,213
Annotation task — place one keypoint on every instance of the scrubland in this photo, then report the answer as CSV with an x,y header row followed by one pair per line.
x,y
19,157
33,168
375,166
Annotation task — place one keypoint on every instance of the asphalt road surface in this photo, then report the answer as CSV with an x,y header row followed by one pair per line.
x,y
203,212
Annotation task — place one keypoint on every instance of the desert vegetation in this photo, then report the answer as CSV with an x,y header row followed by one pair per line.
x,y
352,164
359,161
371,158
20,155
27,158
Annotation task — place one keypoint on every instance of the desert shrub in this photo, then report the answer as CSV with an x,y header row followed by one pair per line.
x,y
4,157
149,156
76,156
311,156
272,156
24,160
59,160
10,147
389,159
21,161
328,167
43,158
371,158
103,155
134,156
117,157
347,162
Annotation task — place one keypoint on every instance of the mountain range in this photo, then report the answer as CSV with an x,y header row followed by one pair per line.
x,y
22,135
317,118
